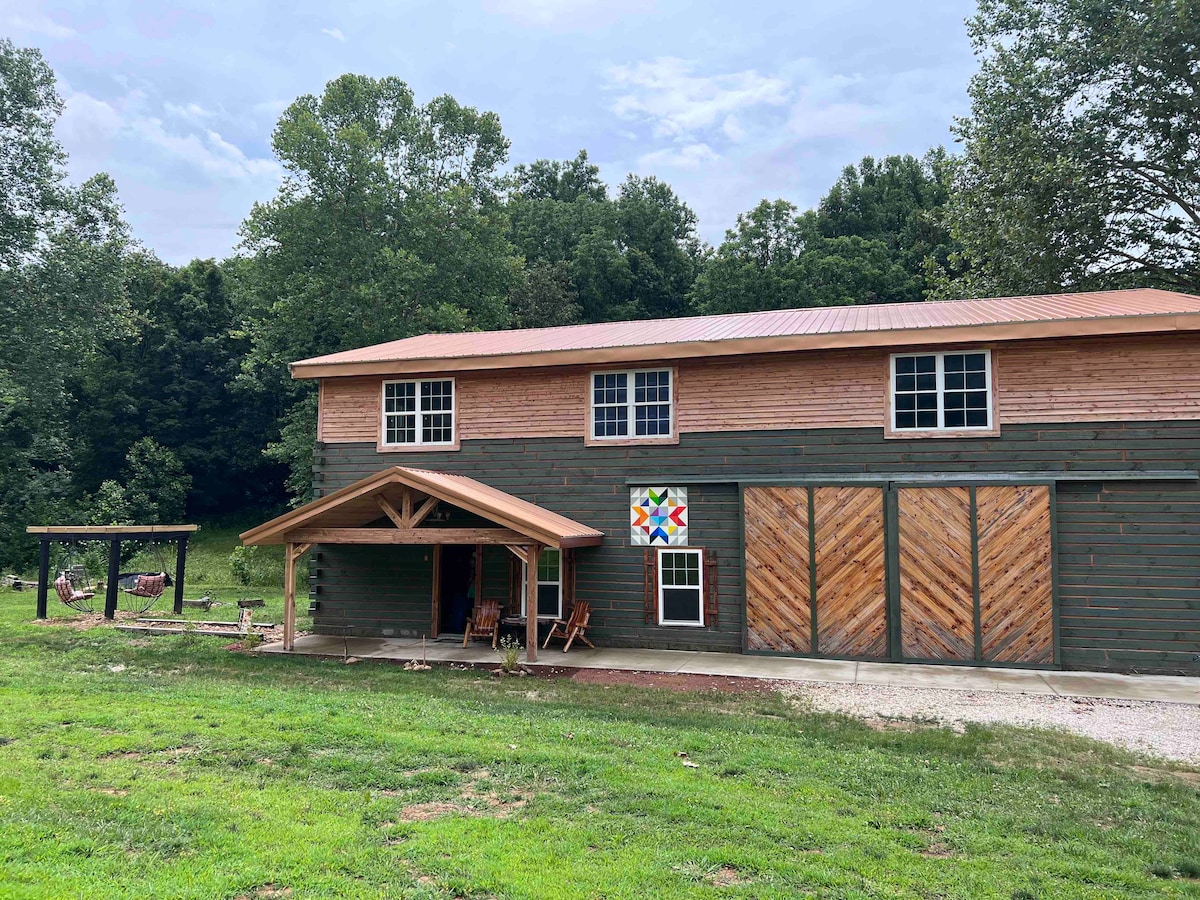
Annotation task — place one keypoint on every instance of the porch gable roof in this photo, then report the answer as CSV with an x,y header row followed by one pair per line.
x,y
358,504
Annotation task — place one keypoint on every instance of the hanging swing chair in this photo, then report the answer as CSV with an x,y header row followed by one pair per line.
x,y
73,586
141,590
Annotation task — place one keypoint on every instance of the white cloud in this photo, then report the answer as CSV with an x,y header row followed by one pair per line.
x,y
89,120
691,156
40,24
565,14
666,93
335,33
189,112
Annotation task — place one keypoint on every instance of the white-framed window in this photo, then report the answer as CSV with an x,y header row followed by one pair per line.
x,y
418,413
549,583
942,391
634,404
680,587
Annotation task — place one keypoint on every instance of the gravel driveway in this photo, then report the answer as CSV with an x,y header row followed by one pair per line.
x,y
1167,730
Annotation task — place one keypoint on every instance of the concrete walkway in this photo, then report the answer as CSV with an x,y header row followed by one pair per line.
x,y
1163,688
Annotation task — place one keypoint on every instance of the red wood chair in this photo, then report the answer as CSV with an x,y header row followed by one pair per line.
x,y
573,627
484,623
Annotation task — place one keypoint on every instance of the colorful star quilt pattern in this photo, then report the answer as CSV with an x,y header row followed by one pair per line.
x,y
658,516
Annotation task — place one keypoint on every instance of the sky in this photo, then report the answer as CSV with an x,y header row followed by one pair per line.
x,y
728,102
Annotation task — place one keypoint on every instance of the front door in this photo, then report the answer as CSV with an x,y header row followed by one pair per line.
x,y
456,587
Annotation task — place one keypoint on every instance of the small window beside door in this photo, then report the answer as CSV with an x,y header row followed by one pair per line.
x,y
680,587
549,584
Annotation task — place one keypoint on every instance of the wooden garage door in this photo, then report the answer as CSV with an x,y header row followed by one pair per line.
x,y
937,572
1016,608
851,601
838,532
1004,582
778,589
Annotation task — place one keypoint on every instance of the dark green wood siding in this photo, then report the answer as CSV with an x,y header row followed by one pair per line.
x,y
368,590
1138,574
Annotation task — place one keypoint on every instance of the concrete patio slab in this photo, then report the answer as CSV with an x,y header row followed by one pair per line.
x,y
1162,688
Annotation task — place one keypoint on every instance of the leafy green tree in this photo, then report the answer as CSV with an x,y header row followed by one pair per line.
x,y
870,240
62,251
388,224
634,256
898,201
174,381
1082,161
777,259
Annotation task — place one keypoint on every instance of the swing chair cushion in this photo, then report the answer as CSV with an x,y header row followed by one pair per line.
x,y
149,585
67,592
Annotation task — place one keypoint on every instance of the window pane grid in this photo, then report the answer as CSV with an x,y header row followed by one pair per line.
x,y
631,403
680,590
938,391
418,412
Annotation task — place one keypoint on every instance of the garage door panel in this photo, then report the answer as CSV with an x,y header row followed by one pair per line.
x,y
937,605
1015,574
851,604
778,588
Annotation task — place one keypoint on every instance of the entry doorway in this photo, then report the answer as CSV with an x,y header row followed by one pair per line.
x,y
456,588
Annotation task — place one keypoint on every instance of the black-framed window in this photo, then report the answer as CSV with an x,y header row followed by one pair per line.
x,y
419,412
633,404
942,391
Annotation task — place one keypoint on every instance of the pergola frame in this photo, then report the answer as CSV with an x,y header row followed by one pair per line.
x,y
114,535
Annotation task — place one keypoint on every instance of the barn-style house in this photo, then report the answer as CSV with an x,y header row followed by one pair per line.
x,y
999,482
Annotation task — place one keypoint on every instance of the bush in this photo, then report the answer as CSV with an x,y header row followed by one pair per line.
x,y
250,566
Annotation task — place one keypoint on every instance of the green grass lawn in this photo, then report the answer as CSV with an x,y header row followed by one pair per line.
x,y
135,766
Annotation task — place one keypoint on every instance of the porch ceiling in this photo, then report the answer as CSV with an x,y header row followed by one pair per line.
x,y
341,517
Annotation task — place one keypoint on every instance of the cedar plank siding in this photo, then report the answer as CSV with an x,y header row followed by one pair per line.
x,y
1115,612
1090,380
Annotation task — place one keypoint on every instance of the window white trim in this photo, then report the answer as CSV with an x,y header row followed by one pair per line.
x,y
418,414
940,390
543,613
699,586
630,405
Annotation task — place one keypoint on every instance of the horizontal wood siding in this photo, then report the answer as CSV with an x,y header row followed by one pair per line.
x,y
373,590
1093,380
588,484
1129,575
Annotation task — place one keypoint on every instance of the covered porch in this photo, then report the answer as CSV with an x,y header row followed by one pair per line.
x,y
408,507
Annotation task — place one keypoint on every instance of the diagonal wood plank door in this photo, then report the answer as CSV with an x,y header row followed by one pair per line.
x,y
937,584
1016,609
778,590
851,572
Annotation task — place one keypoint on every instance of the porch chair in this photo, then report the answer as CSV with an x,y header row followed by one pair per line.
x,y
484,622
573,627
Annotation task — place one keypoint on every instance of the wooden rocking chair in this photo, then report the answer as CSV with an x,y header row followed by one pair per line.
x,y
572,628
484,623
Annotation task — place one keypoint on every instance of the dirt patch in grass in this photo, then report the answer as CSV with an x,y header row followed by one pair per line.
x,y
937,851
675,681
1151,773
727,876
86,621
266,892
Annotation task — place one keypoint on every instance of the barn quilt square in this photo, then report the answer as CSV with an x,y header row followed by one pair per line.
x,y
658,516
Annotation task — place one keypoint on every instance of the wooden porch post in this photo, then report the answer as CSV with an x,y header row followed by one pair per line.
x,y
532,553
43,585
289,597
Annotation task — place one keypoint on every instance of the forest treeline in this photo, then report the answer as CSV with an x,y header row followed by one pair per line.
x,y
132,390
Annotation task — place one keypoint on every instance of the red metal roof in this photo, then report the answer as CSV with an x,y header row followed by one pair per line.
x,y
814,322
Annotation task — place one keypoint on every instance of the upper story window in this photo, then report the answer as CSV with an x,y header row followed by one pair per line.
x,y
635,404
418,413
941,391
